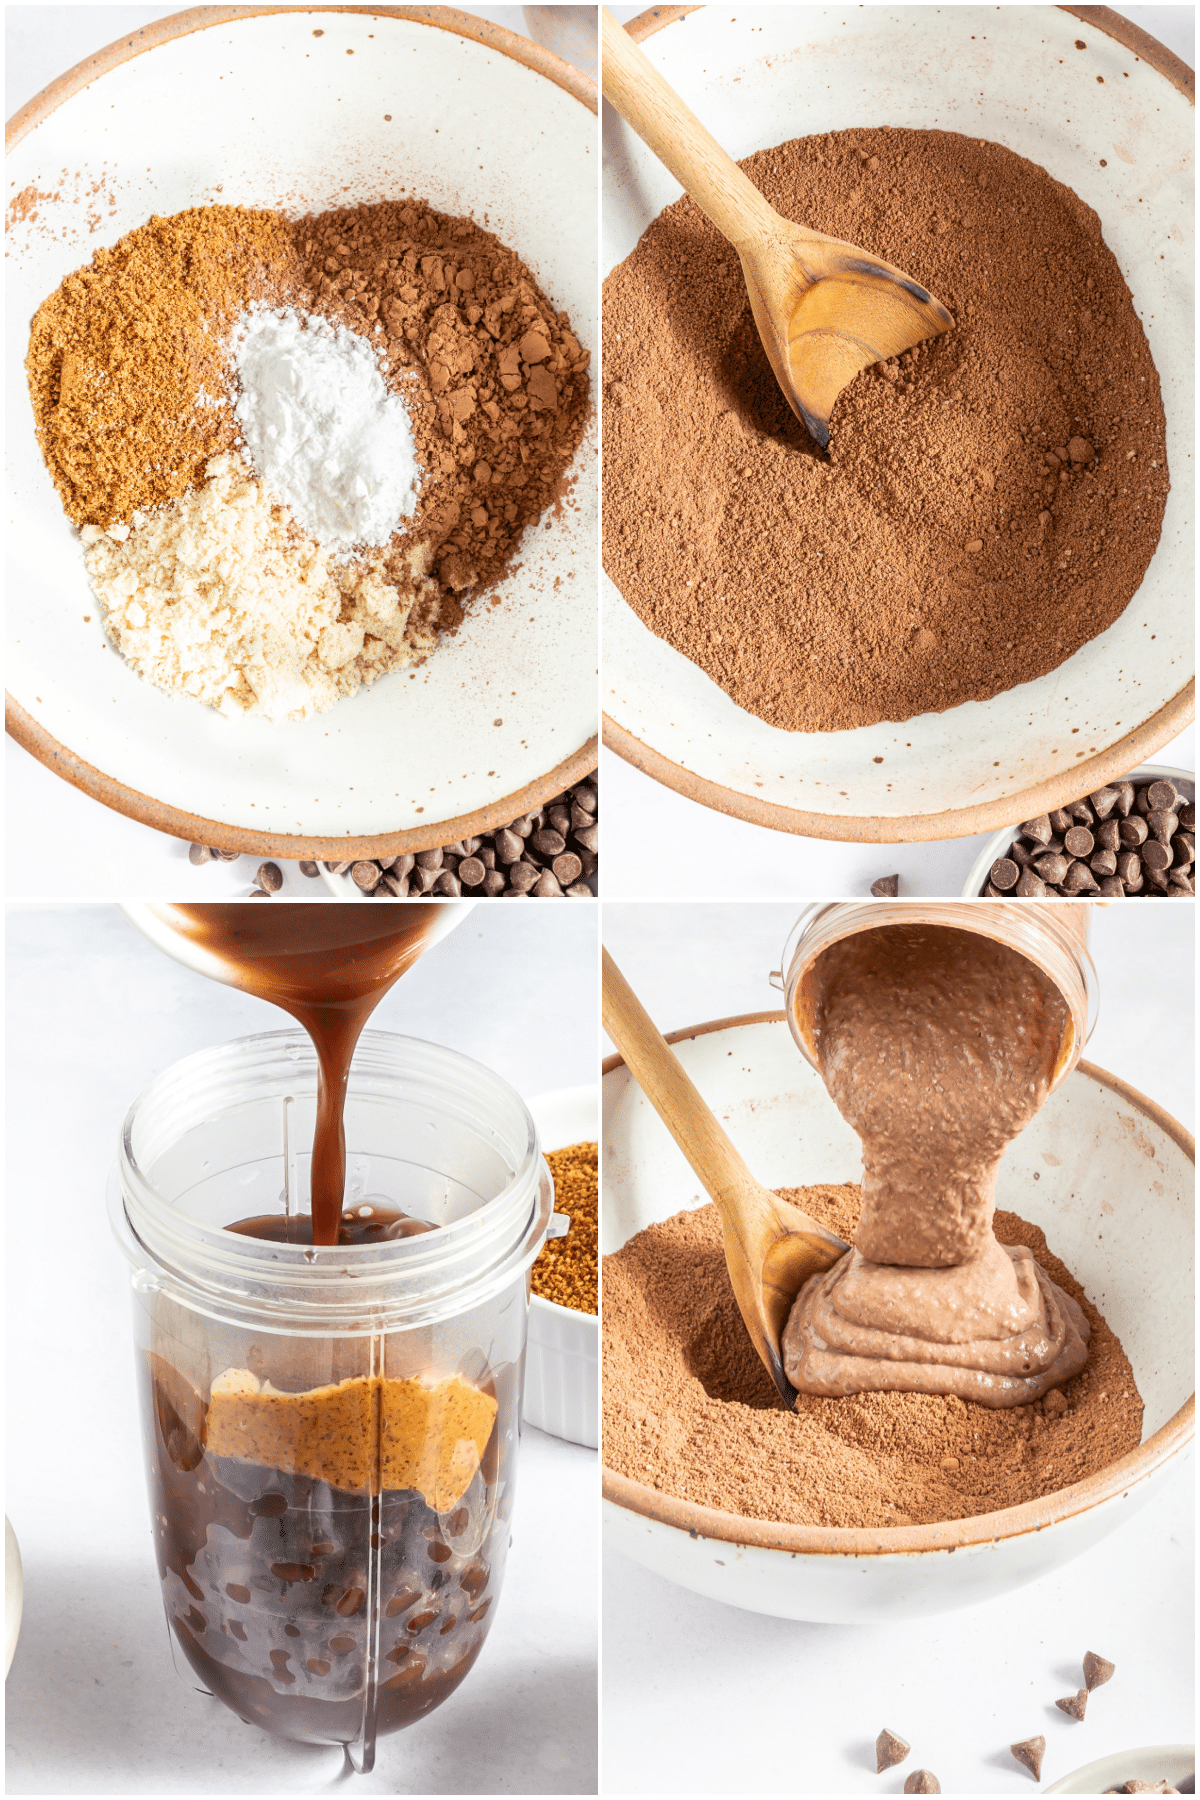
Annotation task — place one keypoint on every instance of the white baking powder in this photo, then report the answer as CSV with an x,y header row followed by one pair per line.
x,y
322,429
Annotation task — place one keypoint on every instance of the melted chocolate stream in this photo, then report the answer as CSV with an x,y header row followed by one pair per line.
x,y
328,965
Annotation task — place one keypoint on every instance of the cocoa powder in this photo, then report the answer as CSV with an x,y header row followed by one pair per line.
x,y
990,502
690,1410
505,393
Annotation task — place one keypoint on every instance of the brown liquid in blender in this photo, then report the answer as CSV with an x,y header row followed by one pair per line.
x,y
328,965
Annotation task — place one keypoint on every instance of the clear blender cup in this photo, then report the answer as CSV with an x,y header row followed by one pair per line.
x,y
331,1434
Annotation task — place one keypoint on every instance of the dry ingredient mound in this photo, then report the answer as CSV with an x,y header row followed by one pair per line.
x,y
991,500
131,374
690,1410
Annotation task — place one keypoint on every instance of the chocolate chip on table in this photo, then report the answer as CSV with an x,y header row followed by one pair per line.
x,y
269,877
309,868
1029,1754
1075,1705
1097,1670
198,855
886,888
922,1781
889,1750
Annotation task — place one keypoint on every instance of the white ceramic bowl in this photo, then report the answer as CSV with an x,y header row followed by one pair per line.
x,y
762,75
1184,779
309,109
1157,1762
562,1359
14,1594
1097,1150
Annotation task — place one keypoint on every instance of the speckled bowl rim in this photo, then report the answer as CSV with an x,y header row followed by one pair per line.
x,y
952,1534
20,724
1136,746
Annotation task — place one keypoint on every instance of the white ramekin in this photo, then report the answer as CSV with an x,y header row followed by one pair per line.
x,y
1001,843
562,1356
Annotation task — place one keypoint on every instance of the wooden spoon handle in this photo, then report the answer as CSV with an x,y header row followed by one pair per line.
x,y
661,1077
652,107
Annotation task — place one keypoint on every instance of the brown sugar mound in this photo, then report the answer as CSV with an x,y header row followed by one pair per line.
x,y
127,358
566,1270
690,1410
990,502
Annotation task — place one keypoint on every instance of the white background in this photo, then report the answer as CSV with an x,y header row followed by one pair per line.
x,y
93,1703
701,1697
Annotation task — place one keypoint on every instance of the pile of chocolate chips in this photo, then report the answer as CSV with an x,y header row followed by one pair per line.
x,y
1123,839
546,854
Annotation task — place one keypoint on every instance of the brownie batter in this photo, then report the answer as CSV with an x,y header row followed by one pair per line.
x,y
991,500
938,1047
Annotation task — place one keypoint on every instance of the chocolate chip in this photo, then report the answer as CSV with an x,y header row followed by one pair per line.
x,y
1022,854
546,887
1108,835
1112,888
1075,1705
269,877
922,1782
1052,868
226,855
198,855
339,868
585,796
1125,798
1156,856
1134,831
1030,886
1187,815
1163,825
1060,820
1104,862
886,888
1079,880
1005,873
589,837
365,875
309,868
508,846
1183,848
1078,841
430,859
1040,830
1029,1754
1103,801
448,883
889,1750
1097,1670
548,843
567,868
495,883
1081,812
1162,796
523,876
471,871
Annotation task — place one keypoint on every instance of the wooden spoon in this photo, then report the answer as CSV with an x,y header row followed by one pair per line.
x,y
824,309
771,1248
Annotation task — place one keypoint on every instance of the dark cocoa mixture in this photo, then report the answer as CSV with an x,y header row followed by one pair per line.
x,y
129,383
989,504
690,1410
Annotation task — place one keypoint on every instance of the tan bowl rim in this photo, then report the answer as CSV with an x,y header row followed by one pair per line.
x,y
60,760
951,1534
1136,746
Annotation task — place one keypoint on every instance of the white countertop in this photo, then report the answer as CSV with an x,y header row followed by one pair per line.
x,y
93,1704
701,1697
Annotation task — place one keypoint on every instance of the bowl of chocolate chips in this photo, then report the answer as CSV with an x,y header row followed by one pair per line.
x,y
1131,838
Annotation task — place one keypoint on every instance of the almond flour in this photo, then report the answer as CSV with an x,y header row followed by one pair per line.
x,y
222,597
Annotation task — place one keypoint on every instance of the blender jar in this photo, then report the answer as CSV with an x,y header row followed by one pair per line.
x,y
330,1433
1053,936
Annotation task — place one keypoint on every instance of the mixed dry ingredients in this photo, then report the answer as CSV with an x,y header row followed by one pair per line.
x,y
990,501
296,448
